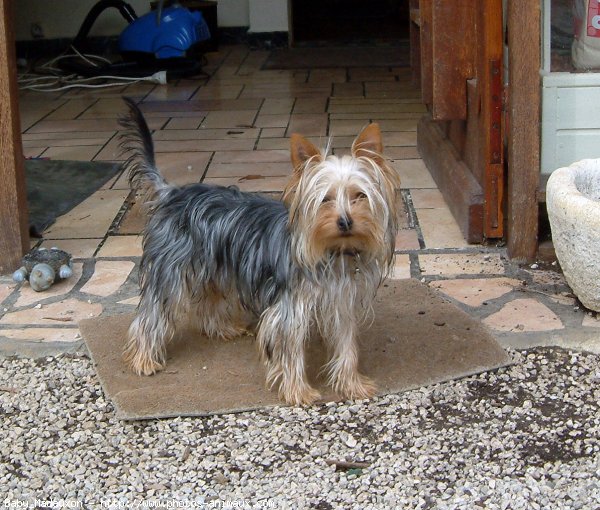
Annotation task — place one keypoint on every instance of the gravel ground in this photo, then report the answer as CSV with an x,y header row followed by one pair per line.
x,y
527,436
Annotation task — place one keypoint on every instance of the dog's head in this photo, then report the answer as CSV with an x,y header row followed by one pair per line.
x,y
343,205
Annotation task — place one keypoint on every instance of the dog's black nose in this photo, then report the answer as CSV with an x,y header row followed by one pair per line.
x,y
344,223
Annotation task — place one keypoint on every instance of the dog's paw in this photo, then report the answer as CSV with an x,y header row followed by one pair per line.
x,y
299,396
142,365
356,387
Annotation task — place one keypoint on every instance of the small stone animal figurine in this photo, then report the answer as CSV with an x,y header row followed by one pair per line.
x,y
41,267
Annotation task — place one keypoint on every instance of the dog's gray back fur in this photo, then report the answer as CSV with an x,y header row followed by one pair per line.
x,y
200,238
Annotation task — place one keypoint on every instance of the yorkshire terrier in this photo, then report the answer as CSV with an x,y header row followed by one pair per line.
x,y
218,259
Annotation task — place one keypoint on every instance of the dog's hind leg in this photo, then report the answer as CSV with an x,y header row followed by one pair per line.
x,y
148,335
218,315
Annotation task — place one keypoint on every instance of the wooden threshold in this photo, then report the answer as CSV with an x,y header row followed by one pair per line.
x,y
461,191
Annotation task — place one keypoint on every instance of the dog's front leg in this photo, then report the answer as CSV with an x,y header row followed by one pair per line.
x,y
282,334
340,334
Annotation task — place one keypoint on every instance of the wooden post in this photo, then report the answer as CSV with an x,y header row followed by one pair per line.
x,y
524,62
490,80
14,236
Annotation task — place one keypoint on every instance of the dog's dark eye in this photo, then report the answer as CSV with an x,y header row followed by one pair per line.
x,y
326,199
359,196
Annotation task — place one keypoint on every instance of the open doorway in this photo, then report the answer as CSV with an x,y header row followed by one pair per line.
x,y
343,21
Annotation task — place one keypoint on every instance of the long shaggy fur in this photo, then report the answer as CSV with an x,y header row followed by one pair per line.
x,y
223,260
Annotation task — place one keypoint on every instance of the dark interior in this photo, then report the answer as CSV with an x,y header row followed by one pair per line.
x,y
349,20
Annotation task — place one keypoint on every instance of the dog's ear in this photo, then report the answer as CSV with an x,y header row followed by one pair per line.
x,y
368,143
301,151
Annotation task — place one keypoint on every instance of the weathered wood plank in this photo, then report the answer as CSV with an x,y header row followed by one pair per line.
x,y
524,61
426,9
14,238
490,80
454,53
415,43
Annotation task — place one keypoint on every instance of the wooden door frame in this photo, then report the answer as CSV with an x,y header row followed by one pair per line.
x,y
524,115
14,235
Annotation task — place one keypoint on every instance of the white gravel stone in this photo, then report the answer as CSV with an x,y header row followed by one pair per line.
x,y
524,437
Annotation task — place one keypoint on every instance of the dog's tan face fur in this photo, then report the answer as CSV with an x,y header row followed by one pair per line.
x,y
343,204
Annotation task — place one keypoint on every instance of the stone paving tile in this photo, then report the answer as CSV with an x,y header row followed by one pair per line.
x,y
251,183
201,105
28,296
266,156
134,220
376,107
276,120
474,292
375,116
229,119
77,126
177,168
42,334
112,150
348,89
439,229
239,144
346,127
6,287
206,134
273,144
308,124
67,142
272,132
33,152
524,315
563,298
249,169
400,139
428,199
589,321
388,125
121,246
78,248
108,277
551,278
183,123
401,269
274,106
400,153
310,105
455,264
90,219
219,91
407,239
73,153
170,93
131,301
180,167
33,107
413,174
66,312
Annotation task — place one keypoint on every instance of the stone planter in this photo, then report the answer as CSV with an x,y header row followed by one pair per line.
x,y
573,203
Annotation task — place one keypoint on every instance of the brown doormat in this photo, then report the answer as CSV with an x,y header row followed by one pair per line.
x,y
417,339
344,56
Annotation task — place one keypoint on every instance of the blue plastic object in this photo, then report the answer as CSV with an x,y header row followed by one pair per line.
x,y
178,30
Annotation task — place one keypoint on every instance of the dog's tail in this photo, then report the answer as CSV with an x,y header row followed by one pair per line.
x,y
137,145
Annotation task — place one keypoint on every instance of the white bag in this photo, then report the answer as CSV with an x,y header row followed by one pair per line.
x,y
585,51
